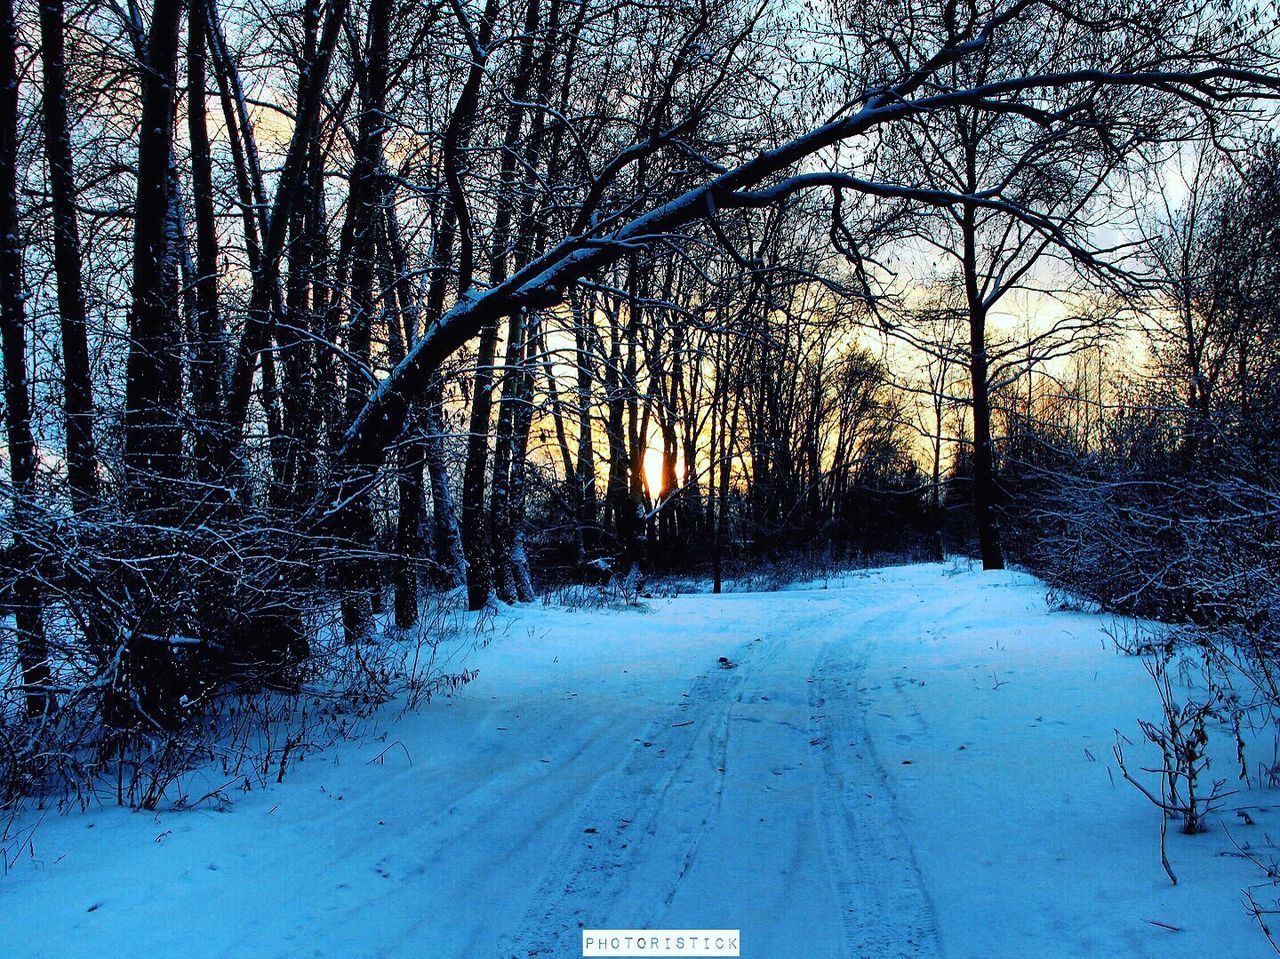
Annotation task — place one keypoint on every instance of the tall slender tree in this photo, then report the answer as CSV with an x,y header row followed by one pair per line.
x,y
77,385
152,425
28,602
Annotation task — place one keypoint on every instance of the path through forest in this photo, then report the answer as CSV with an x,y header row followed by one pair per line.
x,y
907,762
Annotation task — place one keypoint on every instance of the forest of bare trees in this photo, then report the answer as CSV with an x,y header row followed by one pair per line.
x,y
314,311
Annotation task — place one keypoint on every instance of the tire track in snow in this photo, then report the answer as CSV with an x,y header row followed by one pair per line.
x,y
885,911
588,874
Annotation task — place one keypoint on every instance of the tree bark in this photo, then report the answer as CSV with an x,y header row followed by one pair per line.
x,y
410,458
77,387
586,474
515,557
618,486
983,461
477,534
152,430
27,600
451,560
209,352
364,198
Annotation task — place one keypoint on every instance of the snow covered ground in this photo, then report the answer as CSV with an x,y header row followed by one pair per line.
x,y
912,763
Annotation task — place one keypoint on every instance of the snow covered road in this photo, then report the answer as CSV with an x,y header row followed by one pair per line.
x,y
912,762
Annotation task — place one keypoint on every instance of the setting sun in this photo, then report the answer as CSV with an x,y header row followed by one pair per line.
x,y
653,470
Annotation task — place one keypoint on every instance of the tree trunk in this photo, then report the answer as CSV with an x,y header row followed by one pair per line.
x,y
635,435
209,353
152,431
477,533
303,297
984,487
499,498
82,469
475,521
27,600
585,480
401,331
515,558
935,482
408,548
364,198
618,486
451,560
